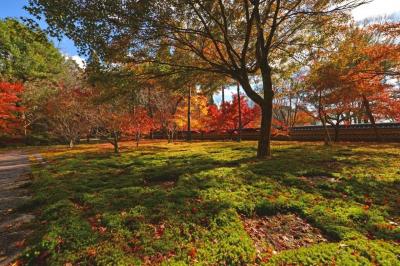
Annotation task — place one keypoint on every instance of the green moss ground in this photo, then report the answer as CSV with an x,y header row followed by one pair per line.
x,y
181,204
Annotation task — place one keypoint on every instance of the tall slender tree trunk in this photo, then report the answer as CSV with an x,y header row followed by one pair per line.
x,y
137,139
327,139
240,114
371,117
189,129
25,125
223,96
71,143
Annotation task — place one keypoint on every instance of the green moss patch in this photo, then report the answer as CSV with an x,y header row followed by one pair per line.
x,y
183,204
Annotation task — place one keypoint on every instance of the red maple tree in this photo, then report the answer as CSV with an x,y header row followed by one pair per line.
x,y
9,107
226,118
137,123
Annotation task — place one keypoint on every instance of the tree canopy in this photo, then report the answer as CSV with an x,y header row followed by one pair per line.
x,y
239,39
26,54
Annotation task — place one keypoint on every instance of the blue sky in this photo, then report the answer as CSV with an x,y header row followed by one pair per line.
x,y
14,8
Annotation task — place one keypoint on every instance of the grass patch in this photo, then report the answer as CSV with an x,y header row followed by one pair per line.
x,y
183,204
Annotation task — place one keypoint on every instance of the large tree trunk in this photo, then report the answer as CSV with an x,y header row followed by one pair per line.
x,y
371,117
240,114
189,129
116,148
265,103
264,142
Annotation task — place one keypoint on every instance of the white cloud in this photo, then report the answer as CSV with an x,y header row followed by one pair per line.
x,y
79,60
376,8
81,63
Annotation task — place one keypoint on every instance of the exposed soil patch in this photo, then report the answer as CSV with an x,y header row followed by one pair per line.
x,y
280,232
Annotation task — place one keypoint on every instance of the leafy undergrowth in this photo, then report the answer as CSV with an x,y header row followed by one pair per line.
x,y
180,204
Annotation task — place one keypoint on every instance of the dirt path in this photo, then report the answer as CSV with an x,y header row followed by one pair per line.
x,y
14,192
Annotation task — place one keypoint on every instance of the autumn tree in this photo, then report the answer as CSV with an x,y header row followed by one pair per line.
x,y
245,37
228,119
352,80
67,115
109,121
10,109
122,105
329,96
198,113
67,108
374,58
29,58
289,101
138,123
165,105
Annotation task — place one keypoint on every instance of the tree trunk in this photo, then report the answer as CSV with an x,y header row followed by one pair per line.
x,y
115,142
264,142
26,125
189,129
371,117
327,139
169,134
137,139
240,114
71,143
223,97
336,133
265,104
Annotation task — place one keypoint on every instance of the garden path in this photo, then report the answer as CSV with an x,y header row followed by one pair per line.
x,y
15,178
